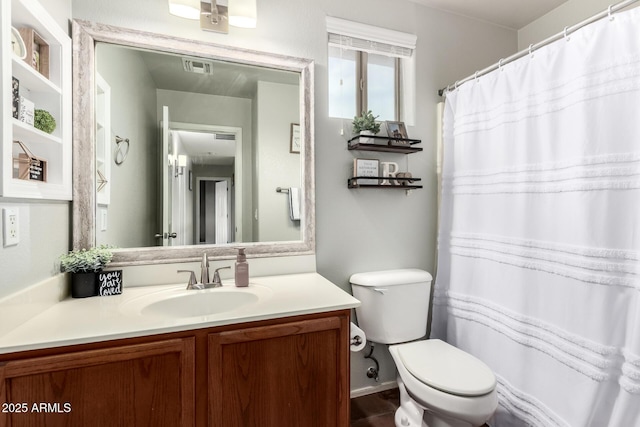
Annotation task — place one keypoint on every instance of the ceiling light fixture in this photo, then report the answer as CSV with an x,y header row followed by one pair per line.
x,y
189,9
243,13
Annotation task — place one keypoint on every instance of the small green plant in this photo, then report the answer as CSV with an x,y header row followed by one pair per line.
x,y
367,121
86,260
44,121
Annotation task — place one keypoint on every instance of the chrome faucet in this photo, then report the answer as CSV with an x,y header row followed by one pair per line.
x,y
204,276
216,278
204,269
193,283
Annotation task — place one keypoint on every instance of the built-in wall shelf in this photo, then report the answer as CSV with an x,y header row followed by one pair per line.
x,y
384,144
43,79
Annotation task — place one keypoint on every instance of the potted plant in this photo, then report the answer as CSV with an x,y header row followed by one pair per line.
x,y
44,121
83,264
366,125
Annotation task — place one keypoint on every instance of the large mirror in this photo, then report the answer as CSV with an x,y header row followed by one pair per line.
x,y
183,147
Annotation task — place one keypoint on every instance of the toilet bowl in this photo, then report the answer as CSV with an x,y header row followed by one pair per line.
x,y
440,385
453,387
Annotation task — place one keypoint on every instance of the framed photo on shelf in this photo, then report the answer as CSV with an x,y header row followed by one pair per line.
x,y
294,143
396,132
366,167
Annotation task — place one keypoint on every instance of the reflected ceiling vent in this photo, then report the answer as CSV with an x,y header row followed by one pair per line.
x,y
197,66
226,136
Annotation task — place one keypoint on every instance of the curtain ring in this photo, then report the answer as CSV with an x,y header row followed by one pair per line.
x,y
531,50
609,12
475,76
566,34
500,64
455,85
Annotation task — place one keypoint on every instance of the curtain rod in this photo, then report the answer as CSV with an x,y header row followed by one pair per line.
x,y
533,47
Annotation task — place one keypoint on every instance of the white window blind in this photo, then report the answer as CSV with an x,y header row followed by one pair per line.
x,y
367,38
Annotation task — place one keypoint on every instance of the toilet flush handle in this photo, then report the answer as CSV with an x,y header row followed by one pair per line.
x,y
380,290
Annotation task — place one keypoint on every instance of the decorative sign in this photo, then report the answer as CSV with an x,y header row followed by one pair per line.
x,y
366,167
109,282
15,90
37,170
26,111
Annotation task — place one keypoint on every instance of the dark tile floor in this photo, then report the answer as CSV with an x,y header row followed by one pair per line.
x,y
375,410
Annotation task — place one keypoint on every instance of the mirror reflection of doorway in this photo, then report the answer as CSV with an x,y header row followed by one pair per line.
x,y
214,202
211,180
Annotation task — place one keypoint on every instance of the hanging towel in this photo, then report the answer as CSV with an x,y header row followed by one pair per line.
x,y
294,203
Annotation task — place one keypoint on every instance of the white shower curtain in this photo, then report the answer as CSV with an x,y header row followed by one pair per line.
x,y
539,241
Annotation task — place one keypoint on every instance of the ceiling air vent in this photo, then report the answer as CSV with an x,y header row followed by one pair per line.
x,y
225,136
197,66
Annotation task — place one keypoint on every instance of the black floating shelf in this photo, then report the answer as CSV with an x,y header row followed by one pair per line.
x,y
395,145
353,182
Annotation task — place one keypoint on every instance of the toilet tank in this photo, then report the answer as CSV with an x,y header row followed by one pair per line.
x,y
395,304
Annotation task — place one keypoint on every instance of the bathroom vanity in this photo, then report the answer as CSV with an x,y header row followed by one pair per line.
x,y
281,361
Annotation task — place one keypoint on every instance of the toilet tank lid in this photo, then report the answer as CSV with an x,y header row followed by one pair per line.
x,y
390,277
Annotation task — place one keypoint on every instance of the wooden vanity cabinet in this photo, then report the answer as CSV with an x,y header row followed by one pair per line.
x,y
285,372
149,384
291,374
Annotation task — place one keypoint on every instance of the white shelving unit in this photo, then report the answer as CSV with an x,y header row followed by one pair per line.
x,y
103,141
52,94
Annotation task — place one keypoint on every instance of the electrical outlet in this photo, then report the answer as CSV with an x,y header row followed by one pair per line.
x,y
10,226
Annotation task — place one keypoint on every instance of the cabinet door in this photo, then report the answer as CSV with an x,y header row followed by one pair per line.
x,y
292,374
136,385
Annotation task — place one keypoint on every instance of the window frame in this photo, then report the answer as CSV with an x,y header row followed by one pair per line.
x,y
361,98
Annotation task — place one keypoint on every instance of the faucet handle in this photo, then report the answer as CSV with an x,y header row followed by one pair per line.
x,y
193,282
216,276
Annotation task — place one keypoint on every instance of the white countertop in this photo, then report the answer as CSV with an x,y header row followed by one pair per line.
x,y
80,321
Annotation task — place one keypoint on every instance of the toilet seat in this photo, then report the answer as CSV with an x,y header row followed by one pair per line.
x,y
446,368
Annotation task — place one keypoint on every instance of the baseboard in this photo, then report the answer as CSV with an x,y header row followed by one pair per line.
x,y
373,389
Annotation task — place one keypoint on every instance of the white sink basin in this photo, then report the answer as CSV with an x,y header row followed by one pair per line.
x,y
180,303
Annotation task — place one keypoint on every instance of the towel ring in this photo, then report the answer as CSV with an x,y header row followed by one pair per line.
x,y
120,156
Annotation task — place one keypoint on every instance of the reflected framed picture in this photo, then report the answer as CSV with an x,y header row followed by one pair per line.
x,y
397,132
294,143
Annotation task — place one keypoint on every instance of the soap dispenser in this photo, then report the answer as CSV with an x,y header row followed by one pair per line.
x,y
242,269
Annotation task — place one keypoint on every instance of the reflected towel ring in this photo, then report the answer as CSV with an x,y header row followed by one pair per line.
x,y
120,155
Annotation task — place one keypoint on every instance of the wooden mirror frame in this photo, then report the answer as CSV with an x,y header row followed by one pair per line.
x,y
85,36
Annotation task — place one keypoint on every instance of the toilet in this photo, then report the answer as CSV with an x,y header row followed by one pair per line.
x,y
440,385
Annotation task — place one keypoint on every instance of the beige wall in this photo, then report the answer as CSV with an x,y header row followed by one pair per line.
x,y
132,219
569,13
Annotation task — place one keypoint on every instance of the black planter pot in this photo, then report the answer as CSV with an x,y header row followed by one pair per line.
x,y
83,285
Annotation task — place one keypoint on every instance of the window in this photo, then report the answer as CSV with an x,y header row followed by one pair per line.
x,y
365,67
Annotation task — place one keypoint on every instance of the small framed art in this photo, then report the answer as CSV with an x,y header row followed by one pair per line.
x,y
294,143
397,133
